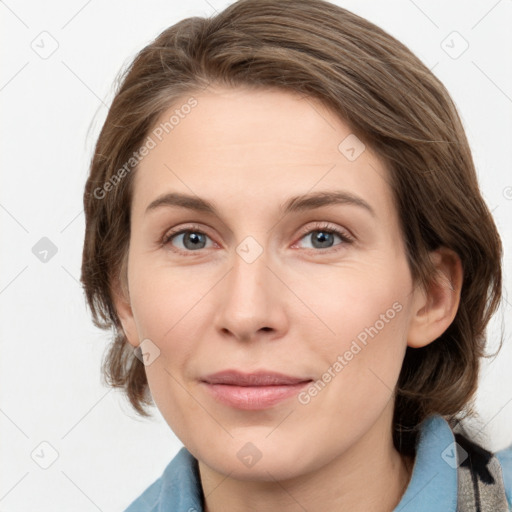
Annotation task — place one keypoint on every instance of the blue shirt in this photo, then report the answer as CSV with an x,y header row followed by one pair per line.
x,y
433,484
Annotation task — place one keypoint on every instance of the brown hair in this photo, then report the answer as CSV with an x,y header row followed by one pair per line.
x,y
390,100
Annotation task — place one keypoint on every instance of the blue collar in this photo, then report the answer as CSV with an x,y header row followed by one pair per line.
x,y
181,485
433,484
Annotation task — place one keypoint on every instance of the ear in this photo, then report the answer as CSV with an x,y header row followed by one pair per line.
x,y
121,298
435,308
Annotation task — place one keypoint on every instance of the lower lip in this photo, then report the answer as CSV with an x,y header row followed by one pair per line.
x,y
253,397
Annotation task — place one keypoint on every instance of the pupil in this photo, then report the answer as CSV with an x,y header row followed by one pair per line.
x,y
323,238
195,238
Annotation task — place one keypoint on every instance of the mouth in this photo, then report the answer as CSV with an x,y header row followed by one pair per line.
x,y
252,391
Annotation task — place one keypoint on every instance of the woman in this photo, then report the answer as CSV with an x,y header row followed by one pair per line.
x,y
284,226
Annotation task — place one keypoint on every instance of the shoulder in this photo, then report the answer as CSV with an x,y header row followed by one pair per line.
x,y
505,459
490,471
444,466
179,487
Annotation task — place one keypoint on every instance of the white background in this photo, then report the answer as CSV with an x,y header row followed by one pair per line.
x,y
52,111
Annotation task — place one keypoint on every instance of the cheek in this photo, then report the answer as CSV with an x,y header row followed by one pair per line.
x,y
356,303
165,300
168,307
357,375
366,317
174,401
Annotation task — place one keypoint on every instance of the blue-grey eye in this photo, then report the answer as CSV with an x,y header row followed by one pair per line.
x,y
191,240
322,238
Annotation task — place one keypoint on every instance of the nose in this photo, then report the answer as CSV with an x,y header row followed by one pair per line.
x,y
251,301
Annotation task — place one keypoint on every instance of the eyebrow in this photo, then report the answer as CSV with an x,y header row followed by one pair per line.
x,y
300,203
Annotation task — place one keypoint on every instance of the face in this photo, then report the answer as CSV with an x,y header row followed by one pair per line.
x,y
306,303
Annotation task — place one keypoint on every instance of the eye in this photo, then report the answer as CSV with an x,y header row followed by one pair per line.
x,y
323,236
191,238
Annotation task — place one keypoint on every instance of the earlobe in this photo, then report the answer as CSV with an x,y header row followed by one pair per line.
x,y
435,308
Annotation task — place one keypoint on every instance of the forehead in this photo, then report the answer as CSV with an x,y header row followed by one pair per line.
x,y
256,147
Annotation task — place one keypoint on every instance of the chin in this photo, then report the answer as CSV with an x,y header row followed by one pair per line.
x,y
262,461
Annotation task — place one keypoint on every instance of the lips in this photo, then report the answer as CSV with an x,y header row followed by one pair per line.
x,y
261,378
252,391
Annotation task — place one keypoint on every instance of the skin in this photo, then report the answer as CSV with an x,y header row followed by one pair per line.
x,y
293,310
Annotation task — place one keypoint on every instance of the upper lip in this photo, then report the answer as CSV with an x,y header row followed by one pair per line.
x,y
259,378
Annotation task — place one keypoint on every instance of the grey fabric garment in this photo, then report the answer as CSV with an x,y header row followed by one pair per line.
x,y
480,479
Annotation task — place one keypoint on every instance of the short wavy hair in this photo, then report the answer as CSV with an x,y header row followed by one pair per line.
x,y
388,98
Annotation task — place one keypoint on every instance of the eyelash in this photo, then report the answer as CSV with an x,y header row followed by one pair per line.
x,y
324,227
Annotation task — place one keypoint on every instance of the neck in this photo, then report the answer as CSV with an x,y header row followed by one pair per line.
x,y
371,475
